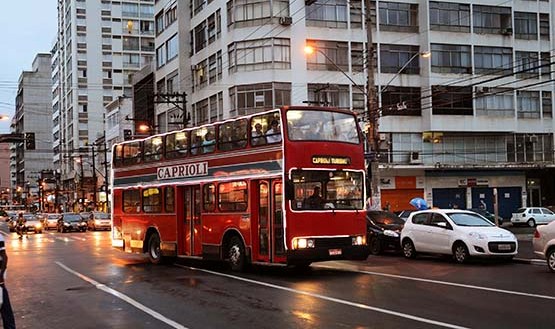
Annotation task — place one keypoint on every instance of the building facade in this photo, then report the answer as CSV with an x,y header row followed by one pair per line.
x,y
32,119
473,119
100,45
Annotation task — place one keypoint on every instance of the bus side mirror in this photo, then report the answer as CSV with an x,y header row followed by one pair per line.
x,y
289,190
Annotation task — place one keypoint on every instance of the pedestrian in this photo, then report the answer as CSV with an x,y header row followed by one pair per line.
x,y
6,310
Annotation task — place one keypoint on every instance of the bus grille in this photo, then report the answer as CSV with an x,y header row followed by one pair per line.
x,y
333,242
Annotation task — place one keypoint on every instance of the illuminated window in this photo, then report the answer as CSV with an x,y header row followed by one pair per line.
x,y
233,196
152,200
170,199
208,197
131,201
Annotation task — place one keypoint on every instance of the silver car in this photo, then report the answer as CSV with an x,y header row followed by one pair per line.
x,y
544,243
532,216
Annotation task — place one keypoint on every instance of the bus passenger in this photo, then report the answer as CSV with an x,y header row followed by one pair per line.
x,y
315,201
196,145
209,143
273,135
257,135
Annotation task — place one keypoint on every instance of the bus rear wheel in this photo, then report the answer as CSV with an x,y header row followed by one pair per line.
x,y
236,254
154,252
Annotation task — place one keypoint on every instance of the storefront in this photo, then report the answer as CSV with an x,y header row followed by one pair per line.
x,y
397,191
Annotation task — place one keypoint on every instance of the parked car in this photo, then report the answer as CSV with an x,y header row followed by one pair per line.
x,y
383,231
71,222
488,215
532,216
51,221
32,223
404,214
460,233
99,221
544,243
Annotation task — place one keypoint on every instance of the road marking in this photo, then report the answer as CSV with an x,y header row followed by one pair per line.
x,y
330,299
123,297
460,285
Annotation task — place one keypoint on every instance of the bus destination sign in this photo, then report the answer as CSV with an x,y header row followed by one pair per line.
x,y
330,160
183,171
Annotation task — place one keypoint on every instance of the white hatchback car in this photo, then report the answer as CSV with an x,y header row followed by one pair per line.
x,y
544,243
532,216
459,233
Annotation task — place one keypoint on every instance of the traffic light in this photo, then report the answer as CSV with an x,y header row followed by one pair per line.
x,y
30,141
127,134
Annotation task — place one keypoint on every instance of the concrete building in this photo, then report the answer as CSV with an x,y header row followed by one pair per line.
x,y
100,45
5,180
33,115
474,118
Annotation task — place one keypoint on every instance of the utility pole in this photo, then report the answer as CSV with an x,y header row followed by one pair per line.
x,y
373,115
94,175
106,183
82,181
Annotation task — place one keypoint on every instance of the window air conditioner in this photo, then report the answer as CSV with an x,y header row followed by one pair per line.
x,y
507,31
415,158
286,20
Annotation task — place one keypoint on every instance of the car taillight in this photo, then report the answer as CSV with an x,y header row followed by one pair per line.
x,y
537,234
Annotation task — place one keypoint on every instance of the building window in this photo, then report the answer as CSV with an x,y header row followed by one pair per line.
x,y
171,16
130,9
356,13
336,56
493,60
494,102
395,16
200,37
130,43
544,26
172,48
451,58
527,63
161,86
233,196
492,19
329,95
261,54
547,104
160,56
528,104
330,13
447,16
357,56
241,13
394,57
452,100
401,101
248,99
526,25
159,23
172,83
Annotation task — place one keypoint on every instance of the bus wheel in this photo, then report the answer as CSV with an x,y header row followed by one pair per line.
x,y
154,253
236,254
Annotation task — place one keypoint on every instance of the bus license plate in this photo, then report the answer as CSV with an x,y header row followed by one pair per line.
x,y
504,247
335,252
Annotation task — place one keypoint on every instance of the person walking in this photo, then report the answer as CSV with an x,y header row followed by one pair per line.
x,y
6,310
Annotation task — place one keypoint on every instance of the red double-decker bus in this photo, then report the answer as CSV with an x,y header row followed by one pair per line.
x,y
280,187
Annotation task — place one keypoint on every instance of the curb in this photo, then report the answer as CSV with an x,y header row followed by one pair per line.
x,y
533,261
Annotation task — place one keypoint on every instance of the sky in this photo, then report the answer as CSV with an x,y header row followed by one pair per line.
x,y
27,27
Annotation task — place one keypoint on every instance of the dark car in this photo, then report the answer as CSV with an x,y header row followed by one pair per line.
x,y
71,222
488,215
384,229
99,221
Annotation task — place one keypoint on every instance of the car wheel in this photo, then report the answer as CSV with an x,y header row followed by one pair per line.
x,y
531,222
460,253
408,249
551,260
375,246
236,254
154,251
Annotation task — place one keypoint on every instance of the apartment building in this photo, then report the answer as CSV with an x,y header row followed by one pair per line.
x,y
100,45
33,119
464,88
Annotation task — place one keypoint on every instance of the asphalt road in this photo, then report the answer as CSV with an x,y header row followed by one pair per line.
x,y
75,280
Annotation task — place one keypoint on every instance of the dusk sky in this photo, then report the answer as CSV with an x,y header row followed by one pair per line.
x,y
27,27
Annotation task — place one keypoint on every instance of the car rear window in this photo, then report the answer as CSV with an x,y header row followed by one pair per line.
x,y
521,210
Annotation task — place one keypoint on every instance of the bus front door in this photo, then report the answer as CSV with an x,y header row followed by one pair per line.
x,y
270,241
191,240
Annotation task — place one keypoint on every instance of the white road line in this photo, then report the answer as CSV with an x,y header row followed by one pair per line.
x,y
4,233
460,285
330,299
124,297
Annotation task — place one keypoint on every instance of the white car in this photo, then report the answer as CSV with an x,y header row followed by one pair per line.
x,y
544,243
459,233
532,216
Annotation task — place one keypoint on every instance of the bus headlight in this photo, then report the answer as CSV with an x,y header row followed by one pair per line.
x,y
303,243
359,240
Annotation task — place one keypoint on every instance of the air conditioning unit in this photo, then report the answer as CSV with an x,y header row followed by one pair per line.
x,y
286,20
507,31
482,90
415,158
383,137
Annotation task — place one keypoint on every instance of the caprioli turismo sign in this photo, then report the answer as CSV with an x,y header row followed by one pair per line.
x,y
183,171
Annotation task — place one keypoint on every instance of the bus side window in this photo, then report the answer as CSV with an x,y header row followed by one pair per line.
x,y
153,148
152,200
208,197
169,197
131,201
233,196
176,145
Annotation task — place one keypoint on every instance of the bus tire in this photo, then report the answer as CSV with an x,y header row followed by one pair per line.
x,y
154,251
236,254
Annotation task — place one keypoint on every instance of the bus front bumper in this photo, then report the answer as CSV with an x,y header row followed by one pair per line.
x,y
300,256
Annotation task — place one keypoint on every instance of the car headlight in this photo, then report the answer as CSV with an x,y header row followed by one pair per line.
x,y
97,221
391,233
477,235
359,240
38,225
66,224
82,223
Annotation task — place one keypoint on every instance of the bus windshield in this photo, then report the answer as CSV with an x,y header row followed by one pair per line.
x,y
323,189
318,125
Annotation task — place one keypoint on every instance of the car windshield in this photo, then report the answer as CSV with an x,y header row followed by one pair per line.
x,y
385,218
468,219
320,125
72,218
53,216
29,217
101,215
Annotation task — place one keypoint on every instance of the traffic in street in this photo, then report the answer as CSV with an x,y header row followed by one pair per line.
x,y
76,280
